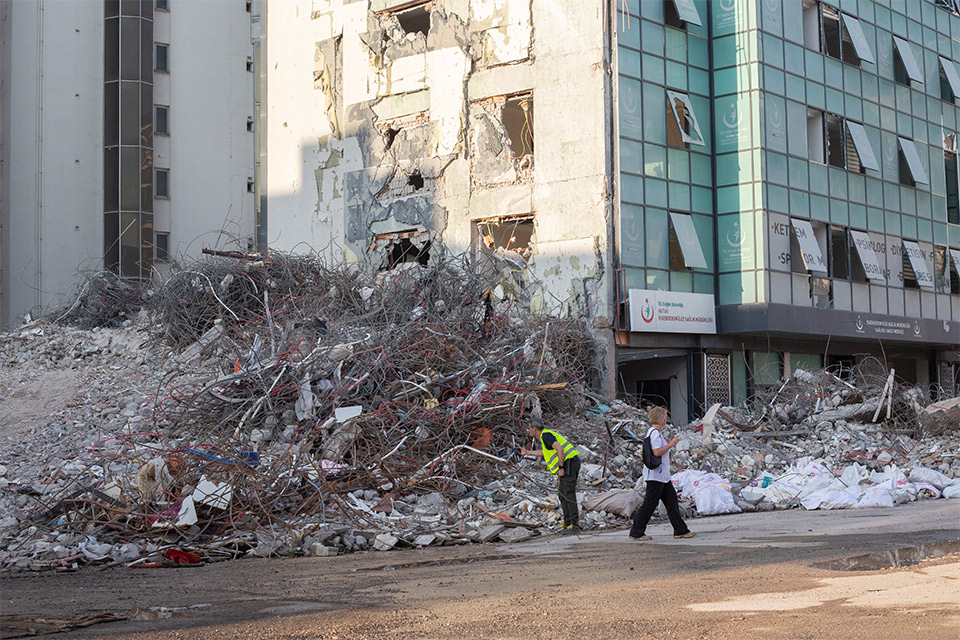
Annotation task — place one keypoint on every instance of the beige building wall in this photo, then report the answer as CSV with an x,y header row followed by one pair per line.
x,y
396,122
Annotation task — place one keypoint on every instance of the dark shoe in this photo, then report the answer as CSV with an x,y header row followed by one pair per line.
x,y
688,534
640,538
571,530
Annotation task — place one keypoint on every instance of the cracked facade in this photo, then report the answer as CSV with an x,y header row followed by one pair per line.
x,y
394,128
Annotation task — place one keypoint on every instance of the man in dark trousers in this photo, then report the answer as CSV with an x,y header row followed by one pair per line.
x,y
563,461
659,487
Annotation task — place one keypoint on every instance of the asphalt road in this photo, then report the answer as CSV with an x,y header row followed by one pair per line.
x,y
763,575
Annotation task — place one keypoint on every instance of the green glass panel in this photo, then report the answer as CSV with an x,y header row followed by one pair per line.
x,y
815,95
736,243
814,65
650,10
834,101
631,188
657,239
699,53
839,213
704,227
851,80
858,216
703,283
676,44
701,169
799,203
631,121
629,62
651,35
799,173
678,164
857,188
679,196
773,81
772,50
634,279
776,168
654,114
681,281
891,196
853,107
653,69
925,230
766,368
725,52
631,235
891,222
699,81
726,81
908,202
871,114
737,361
658,280
819,208
655,161
908,227
656,193
778,199
796,88
776,123
677,76
631,156
818,178
838,182
870,86
874,192
733,122
805,361
875,220
702,200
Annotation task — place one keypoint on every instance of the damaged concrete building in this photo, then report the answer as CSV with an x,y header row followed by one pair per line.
x,y
726,191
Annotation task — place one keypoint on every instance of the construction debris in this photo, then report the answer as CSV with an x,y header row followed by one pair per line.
x,y
278,406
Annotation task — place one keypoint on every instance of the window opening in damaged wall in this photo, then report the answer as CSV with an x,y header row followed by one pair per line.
x,y
414,18
518,121
411,246
510,238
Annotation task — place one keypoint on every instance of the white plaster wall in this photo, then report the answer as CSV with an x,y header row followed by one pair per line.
x,y
295,124
56,165
209,151
565,75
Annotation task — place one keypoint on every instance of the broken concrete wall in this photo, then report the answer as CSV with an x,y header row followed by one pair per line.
x,y
397,117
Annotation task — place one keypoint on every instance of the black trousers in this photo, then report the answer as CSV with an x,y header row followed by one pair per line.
x,y
656,492
568,491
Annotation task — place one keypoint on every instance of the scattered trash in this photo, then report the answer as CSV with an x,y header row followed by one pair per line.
x,y
277,406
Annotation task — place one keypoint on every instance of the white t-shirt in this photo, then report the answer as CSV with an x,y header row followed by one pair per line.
x,y
661,473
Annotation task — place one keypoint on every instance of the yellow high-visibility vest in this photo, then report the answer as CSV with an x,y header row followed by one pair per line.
x,y
550,454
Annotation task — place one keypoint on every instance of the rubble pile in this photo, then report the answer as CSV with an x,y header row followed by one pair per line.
x,y
279,406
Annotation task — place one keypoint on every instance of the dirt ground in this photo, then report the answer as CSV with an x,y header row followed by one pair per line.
x,y
743,576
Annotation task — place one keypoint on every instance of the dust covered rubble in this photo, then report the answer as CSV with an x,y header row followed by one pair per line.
x,y
114,475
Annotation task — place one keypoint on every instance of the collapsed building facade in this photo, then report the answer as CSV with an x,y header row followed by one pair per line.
x,y
726,190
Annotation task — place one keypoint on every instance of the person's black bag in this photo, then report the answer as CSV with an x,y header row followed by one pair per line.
x,y
650,461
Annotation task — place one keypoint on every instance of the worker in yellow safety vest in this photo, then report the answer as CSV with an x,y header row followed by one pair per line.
x,y
564,461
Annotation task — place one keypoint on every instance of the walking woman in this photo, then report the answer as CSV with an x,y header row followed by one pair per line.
x,y
659,487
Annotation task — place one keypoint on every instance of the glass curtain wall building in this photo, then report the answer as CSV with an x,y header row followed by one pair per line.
x,y
788,190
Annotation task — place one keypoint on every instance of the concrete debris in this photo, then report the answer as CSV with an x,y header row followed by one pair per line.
x,y
341,412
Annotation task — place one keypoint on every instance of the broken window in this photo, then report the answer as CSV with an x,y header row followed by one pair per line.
x,y
868,264
955,263
836,34
941,270
952,190
682,126
949,80
404,185
518,121
953,6
905,67
911,168
413,18
815,136
508,237
835,143
412,246
685,249
805,248
860,154
915,271
839,253
677,13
